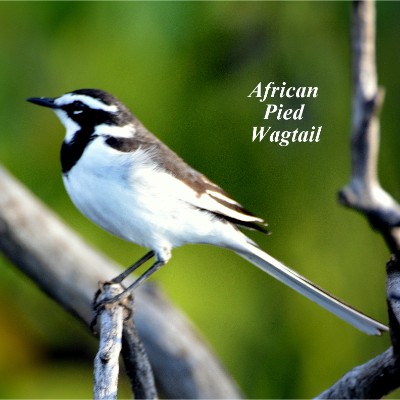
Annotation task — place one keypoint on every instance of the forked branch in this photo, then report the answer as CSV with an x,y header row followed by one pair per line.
x,y
381,375
364,192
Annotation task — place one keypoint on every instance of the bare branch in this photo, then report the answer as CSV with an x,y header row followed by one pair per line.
x,y
364,192
381,375
137,365
106,362
372,380
393,300
68,270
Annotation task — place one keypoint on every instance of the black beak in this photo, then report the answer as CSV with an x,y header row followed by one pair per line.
x,y
43,101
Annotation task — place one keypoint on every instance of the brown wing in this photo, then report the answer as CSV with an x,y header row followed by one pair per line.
x,y
211,197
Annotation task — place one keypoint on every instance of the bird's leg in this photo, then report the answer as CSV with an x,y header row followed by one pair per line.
x,y
146,275
128,271
155,267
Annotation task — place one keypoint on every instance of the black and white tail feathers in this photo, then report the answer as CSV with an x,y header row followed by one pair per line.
x,y
308,289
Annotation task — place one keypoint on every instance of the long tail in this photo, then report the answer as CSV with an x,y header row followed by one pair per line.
x,y
308,289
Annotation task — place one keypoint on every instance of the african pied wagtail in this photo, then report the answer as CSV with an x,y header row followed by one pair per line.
x,y
131,184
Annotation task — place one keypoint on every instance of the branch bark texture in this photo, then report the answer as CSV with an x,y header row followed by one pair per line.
x,y
364,192
136,362
106,362
371,380
381,375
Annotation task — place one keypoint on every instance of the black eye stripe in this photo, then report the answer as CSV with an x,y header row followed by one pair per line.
x,y
78,104
74,107
87,116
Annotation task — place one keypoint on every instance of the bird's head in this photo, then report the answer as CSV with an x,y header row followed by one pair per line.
x,y
86,109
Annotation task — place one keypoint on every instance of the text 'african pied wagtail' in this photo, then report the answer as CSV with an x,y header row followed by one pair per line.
x,y
127,181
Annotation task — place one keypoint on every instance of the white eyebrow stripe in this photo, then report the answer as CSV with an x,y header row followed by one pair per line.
x,y
89,101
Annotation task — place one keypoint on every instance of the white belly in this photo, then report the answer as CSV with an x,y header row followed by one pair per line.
x,y
131,199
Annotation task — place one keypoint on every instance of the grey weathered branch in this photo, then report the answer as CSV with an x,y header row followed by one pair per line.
x,y
69,270
118,334
364,192
381,375
372,380
136,362
106,363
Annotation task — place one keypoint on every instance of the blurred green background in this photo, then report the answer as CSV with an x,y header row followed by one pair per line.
x,y
185,69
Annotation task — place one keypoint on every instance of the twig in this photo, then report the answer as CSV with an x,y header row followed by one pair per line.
x,y
137,365
381,375
106,363
68,270
371,380
393,300
364,192
118,334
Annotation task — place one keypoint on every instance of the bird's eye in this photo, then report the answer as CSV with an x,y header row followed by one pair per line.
x,y
78,107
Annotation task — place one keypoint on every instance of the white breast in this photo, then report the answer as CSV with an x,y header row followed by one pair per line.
x,y
128,196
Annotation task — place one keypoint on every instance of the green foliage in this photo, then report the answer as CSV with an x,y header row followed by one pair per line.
x,y
185,69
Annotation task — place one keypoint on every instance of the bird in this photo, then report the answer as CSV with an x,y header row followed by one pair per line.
x,y
127,181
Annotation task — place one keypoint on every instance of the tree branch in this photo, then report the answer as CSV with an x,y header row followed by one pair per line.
x,y
106,362
137,365
118,335
381,375
68,270
372,380
364,192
